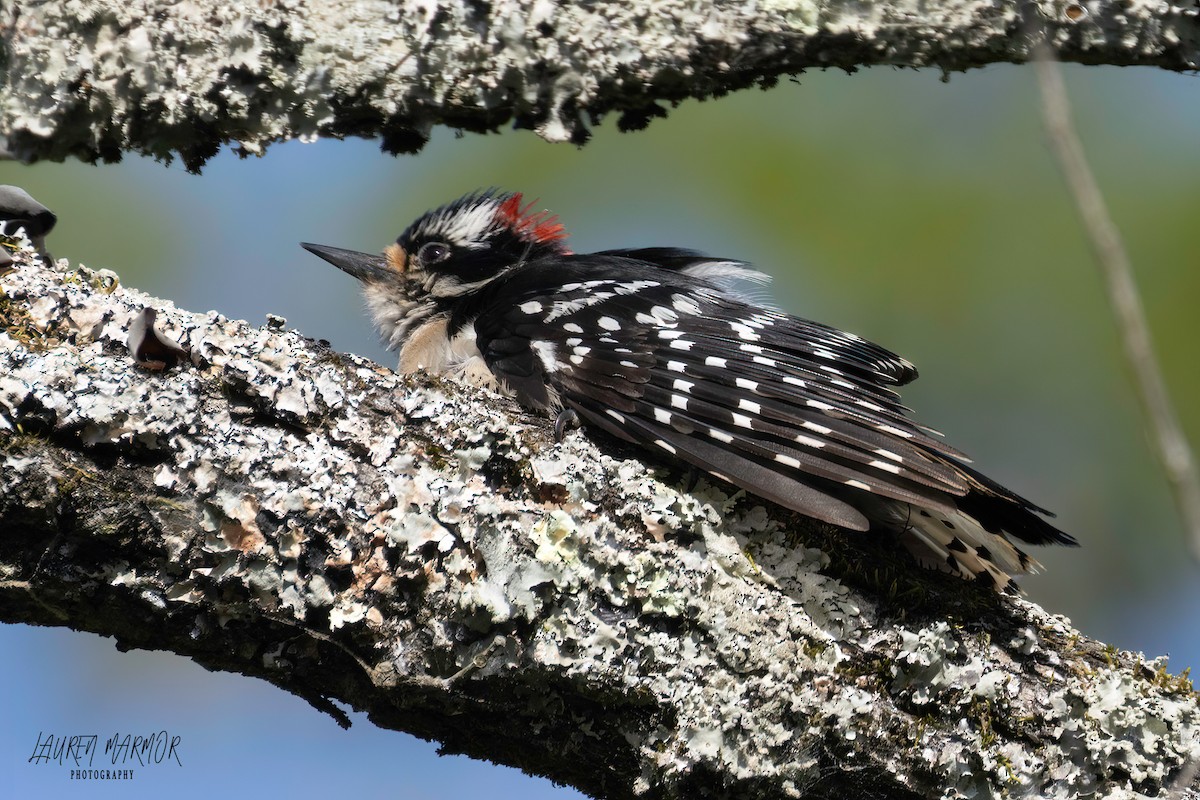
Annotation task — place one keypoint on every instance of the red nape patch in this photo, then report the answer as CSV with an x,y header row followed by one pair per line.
x,y
541,226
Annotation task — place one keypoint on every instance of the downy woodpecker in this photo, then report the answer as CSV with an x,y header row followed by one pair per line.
x,y
646,345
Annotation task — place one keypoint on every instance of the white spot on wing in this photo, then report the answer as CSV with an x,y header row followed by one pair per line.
x,y
742,421
749,405
571,327
744,331
547,353
719,435
684,304
858,485
531,307
885,466
665,446
787,461
665,315
633,287
894,431
679,401
609,324
676,366
746,383
662,415
715,361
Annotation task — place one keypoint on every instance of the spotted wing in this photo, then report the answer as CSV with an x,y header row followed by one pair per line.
x,y
795,412
833,344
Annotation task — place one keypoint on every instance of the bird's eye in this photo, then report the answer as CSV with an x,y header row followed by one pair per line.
x,y
433,252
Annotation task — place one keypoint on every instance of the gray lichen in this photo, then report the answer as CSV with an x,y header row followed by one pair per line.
x,y
427,553
97,78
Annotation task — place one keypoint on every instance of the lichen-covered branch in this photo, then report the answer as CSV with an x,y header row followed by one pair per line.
x,y
95,79
426,553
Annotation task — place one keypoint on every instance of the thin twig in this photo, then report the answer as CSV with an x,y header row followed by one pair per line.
x,y
1171,444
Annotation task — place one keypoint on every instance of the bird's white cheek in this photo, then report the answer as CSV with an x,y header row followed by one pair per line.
x,y
389,311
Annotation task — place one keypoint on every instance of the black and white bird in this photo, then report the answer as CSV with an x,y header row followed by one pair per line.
x,y
646,345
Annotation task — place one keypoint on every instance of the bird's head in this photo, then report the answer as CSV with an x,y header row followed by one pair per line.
x,y
447,253
455,249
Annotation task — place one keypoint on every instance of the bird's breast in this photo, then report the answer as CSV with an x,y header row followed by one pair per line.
x,y
434,348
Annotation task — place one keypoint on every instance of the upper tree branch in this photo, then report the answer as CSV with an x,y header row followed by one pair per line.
x,y
95,80
426,553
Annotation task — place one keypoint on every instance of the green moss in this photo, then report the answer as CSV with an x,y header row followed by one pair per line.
x,y
20,441
21,327
1111,656
104,281
436,456
1005,762
875,669
983,712
72,477
814,648
1167,683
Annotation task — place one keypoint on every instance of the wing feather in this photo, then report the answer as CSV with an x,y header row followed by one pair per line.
x,y
806,396
793,449
766,482
796,412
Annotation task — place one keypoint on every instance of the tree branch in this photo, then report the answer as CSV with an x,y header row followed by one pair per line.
x,y
1169,440
183,79
425,552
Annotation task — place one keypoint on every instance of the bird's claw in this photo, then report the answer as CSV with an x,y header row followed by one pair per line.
x,y
566,420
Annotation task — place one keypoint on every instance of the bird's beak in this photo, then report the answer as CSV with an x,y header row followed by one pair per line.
x,y
367,267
